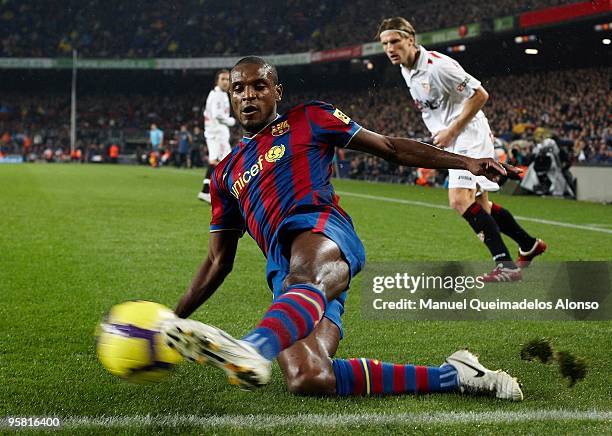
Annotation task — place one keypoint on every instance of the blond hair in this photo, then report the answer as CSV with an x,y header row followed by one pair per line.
x,y
398,24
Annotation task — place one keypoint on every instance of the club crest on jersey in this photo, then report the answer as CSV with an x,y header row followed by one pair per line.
x,y
341,116
275,153
242,179
280,128
463,84
425,86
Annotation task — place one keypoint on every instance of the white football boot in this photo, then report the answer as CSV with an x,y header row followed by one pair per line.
x,y
204,197
202,343
475,378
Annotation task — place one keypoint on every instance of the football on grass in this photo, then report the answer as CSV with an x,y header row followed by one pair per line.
x,y
130,345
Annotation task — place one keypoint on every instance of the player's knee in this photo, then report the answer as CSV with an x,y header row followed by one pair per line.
x,y
461,199
306,271
300,275
459,204
331,277
311,378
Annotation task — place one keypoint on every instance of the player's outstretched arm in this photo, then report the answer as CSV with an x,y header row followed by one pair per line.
x,y
211,273
404,151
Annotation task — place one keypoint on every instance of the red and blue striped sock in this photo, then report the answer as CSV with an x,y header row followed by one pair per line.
x,y
291,317
372,377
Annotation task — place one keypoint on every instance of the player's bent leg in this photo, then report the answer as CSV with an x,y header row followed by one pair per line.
x,y
292,316
307,364
317,274
322,274
309,370
487,231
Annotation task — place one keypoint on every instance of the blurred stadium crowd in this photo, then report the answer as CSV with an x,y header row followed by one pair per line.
x,y
53,28
571,106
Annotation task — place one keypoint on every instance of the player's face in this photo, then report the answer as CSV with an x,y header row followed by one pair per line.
x,y
399,49
223,81
254,96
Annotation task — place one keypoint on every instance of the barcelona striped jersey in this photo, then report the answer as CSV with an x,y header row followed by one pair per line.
x,y
285,167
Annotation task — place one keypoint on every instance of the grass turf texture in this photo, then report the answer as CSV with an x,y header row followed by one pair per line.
x,y
78,239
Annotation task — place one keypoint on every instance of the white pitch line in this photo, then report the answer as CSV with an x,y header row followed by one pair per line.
x,y
333,420
440,206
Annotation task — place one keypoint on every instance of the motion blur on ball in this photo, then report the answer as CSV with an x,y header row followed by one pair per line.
x,y
129,344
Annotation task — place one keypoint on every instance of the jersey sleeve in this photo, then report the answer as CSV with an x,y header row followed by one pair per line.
x,y
330,125
225,211
220,109
455,80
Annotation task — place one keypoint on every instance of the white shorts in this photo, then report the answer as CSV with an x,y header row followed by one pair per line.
x,y
475,141
218,146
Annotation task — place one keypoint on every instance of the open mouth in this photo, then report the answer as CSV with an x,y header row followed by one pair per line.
x,y
249,109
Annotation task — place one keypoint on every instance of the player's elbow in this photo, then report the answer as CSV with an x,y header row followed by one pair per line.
x,y
225,268
389,150
483,95
222,266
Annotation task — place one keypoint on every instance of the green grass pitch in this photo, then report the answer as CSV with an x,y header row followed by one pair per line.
x,y
77,239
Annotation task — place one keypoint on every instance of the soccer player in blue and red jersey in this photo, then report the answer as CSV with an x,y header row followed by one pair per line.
x,y
275,184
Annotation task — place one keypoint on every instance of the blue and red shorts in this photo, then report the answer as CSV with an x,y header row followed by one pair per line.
x,y
336,225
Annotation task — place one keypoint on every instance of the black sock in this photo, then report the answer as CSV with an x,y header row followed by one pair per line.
x,y
206,187
485,227
508,225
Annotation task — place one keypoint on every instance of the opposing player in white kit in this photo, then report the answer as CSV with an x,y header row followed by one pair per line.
x,y
450,101
217,121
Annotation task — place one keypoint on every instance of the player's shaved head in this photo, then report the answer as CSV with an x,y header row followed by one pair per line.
x,y
397,24
254,93
261,62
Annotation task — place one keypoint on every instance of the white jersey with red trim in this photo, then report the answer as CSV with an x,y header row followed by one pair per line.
x,y
439,87
217,117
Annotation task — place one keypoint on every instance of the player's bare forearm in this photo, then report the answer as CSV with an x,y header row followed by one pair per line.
x,y
206,281
404,151
418,154
470,109
408,152
211,272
